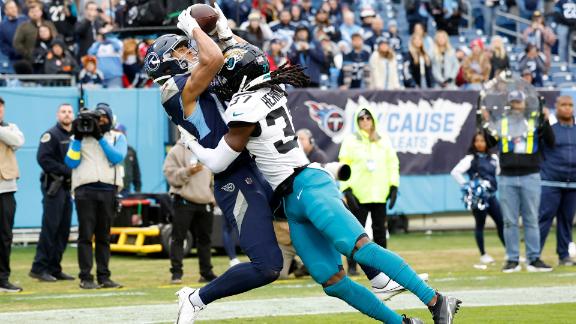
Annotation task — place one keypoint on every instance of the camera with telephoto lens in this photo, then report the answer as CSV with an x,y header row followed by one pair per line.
x,y
340,171
87,121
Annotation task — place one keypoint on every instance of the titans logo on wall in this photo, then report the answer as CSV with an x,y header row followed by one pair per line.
x,y
330,118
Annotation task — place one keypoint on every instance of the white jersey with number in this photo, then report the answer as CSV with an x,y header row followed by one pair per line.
x,y
274,143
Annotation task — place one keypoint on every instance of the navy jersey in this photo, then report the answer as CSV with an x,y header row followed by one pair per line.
x,y
206,122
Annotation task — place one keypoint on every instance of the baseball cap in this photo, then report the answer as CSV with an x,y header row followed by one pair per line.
x,y
516,95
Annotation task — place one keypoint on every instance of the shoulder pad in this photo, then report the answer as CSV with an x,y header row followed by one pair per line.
x,y
253,106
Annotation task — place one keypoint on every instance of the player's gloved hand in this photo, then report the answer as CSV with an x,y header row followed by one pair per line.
x,y
222,29
186,136
187,23
351,200
392,195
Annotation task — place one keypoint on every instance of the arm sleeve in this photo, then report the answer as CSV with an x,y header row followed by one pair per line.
x,y
115,154
11,136
461,168
217,159
48,160
73,156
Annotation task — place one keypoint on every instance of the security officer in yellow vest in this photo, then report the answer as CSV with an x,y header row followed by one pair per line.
x,y
55,184
11,138
519,135
97,176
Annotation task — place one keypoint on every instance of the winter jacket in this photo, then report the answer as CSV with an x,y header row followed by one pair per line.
x,y
26,37
559,165
7,32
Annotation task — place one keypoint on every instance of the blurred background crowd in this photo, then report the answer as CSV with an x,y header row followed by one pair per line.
x,y
367,44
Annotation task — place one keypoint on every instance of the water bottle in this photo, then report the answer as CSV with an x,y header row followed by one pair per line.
x,y
324,82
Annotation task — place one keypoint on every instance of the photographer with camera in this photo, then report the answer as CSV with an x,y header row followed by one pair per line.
x,y
57,202
95,156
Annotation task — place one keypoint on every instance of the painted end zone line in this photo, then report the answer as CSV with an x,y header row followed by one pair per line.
x,y
284,307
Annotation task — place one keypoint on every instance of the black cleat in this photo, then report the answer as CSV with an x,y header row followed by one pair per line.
x,y
45,277
444,310
408,320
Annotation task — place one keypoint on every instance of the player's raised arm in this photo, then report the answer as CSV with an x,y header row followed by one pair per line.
x,y
210,60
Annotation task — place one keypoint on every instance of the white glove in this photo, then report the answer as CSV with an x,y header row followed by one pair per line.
x,y
186,137
187,23
222,28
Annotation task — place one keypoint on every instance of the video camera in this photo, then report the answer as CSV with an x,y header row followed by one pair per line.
x,y
340,171
87,121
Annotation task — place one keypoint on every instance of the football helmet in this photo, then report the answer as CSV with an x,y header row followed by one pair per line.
x,y
243,63
160,64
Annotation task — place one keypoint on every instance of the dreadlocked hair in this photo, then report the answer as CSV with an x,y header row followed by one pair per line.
x,y
285,74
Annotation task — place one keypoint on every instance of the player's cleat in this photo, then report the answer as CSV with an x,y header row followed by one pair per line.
x,y
408,320
445,309
538,266
187,312
392,288
486,259
511,266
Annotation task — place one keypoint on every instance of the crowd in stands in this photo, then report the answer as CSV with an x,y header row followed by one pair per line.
x,y
346,44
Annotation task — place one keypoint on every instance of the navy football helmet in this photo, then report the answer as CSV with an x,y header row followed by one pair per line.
x,y
243,63
159,63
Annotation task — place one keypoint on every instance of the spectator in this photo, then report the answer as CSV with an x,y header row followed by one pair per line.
x,y
297,17
446,14
462,53
541,36
308,145
375,32
566,20
336,11
519,137
354,73
367,16
417,65
383,67
415,14
476,67
108,52
284,27
193,197
27,33
59,60
132,65
420,30
394,36
95,160
11,138
43,45
308,11
63,14
444,62
375,175
257,30
489,14
87,28
558,173
237,10
57,201
332,60
323,23
499,60
90,76
481,166
132,176
535,62
349,28
8,27
275,55
526,75
307,53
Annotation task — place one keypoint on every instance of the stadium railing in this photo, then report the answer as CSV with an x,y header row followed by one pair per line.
x,y
33,80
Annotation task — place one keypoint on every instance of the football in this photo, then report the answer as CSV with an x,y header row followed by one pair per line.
x,y
205,15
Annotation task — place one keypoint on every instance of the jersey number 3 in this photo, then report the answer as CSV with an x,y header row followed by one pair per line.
x,y
288,143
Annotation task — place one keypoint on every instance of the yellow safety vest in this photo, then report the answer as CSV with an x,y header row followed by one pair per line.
x,y
505,141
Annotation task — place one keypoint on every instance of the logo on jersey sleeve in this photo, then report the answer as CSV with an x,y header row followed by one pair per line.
x,y
330,118
229,187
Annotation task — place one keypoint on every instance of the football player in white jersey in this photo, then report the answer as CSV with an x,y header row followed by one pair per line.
x,y
321,227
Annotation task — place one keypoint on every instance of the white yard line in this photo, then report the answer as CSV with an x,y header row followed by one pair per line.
x,y
165,313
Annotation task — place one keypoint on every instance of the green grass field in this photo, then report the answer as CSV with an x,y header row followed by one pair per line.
x,y
447,256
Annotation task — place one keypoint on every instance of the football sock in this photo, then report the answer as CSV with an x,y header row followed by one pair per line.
x,y
394,267
369,271
237,279
195,298
363,300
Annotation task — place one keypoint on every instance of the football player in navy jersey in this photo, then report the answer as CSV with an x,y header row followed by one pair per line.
x,y
185,67
321,227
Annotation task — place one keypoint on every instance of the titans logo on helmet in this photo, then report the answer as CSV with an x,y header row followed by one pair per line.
x,y
330,118
152,62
